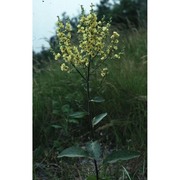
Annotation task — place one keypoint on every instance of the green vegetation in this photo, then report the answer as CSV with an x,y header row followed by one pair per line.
x,y
58,96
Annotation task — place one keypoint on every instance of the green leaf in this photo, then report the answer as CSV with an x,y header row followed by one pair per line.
x,y
121,155
56,126
94,149
78,115
98,118
97,99
73,152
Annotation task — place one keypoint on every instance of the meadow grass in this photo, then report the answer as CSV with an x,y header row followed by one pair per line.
x,y
55,94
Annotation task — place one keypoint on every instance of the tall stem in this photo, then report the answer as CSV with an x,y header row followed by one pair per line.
x,y
88,99
89,114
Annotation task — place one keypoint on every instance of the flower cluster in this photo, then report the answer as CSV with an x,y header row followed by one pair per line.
x,y
93,42
104,71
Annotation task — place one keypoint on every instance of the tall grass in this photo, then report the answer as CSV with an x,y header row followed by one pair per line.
x,y
55,94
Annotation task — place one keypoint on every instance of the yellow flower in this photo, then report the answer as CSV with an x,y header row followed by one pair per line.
x,y
104,72
64,67
84,36
115,34
117,56
69,35
57,56
104,28
116,41
87,63
115,47
94,42
68,26
89,16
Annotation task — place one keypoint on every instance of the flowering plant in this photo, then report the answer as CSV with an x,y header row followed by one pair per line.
x,y
95,46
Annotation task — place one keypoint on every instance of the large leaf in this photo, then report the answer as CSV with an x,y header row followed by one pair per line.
x,y
73,152
98,118
97,99
78,115
121,155
94,149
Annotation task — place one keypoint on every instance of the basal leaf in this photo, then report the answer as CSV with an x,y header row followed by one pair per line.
x,y
94,149
78,115
73,152
121,155
98,118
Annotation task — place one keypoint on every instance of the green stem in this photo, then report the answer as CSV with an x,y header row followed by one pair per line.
x,y
89,114
96,169
88,101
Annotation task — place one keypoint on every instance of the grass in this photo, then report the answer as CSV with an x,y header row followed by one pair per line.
x,y
55,94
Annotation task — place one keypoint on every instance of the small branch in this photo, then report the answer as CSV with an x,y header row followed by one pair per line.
x,y
100,63
78,72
